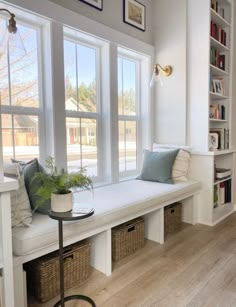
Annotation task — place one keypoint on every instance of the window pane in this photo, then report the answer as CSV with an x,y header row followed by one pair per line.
x,y
127,146
19,83
126,87
82,144
80,77
70,76
122,153
20,137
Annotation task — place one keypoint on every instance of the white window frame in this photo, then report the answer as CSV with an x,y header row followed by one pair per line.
x,y
56,19
134,118
27,20
85,40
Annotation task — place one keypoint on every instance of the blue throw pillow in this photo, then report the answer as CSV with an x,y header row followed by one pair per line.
x,y
157,166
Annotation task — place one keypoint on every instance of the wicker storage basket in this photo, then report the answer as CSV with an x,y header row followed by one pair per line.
x,y
43,273
127,238
172,218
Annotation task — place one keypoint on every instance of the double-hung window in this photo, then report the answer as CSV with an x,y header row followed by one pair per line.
x,y
81,70
20,95
128,113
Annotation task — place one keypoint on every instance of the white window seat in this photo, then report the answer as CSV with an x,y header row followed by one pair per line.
x,y
113,204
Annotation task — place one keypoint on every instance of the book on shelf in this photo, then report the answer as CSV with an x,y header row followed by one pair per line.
x,y
222,173
217,59
228,191
222,193
216,196
215,5
218,33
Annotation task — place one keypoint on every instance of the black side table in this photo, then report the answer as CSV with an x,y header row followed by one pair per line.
x,y
60,217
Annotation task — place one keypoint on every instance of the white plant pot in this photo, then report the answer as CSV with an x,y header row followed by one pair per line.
x,y
61,202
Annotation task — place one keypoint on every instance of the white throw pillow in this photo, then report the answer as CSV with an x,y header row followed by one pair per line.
x,y
182,161
21,214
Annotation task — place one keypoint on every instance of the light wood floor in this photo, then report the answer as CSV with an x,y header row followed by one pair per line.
x,y
195,267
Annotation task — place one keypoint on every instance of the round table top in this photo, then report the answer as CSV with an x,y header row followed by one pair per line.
x,y
70,215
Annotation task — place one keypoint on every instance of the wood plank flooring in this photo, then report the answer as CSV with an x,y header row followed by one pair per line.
x,y
195,267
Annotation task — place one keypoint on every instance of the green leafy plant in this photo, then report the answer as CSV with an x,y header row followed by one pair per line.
x,y
59,181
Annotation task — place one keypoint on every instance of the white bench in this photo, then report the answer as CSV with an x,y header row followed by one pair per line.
x,y
114,204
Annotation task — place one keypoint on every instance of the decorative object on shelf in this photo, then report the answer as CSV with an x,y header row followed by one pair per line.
x,y
57,184
223,137
98,4
134,14
11,39
222,173
217,111
217,86
166,71
213,141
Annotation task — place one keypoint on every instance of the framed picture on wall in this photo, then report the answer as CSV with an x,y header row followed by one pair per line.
x,y
134,14
98,4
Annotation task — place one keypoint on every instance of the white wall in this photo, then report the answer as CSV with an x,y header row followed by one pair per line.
x,y
112,16
169,23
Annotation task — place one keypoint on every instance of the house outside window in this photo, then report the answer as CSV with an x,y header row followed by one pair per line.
x,y
20,95
82,105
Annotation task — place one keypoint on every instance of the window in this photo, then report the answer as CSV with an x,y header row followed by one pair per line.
x,y
127,113
82,105
97,116
20,96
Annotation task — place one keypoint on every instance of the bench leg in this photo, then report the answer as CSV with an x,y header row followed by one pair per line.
x,y
154,226
20,292
101,252
190,210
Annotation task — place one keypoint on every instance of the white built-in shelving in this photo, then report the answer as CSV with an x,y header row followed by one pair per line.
x,y
210,100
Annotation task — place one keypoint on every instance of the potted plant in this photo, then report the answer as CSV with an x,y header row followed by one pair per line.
x,y
57,184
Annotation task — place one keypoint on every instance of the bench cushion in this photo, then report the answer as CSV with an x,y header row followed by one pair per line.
x,y
112,204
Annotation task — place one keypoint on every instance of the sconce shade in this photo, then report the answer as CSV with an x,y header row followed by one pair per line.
x,y
155,79
12,42
156,76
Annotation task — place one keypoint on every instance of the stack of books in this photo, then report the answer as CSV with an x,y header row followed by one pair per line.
x,y
218,33
222,193
217,59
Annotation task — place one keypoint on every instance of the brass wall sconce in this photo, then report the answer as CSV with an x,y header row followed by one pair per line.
x,y
11,39
166,71
11,22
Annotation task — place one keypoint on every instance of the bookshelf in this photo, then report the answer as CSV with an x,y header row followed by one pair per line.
x,y
210,103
